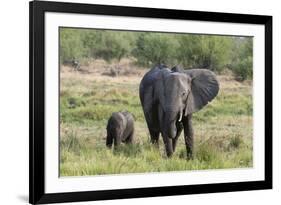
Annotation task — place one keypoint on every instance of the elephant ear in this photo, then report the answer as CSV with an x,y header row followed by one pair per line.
x,y
204,88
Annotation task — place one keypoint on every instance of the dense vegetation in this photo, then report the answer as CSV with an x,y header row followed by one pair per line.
x,y
189,50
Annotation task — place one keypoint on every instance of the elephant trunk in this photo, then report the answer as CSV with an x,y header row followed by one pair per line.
x,y
170,129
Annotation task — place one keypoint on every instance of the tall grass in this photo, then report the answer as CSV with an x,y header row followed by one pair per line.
x,y
222,130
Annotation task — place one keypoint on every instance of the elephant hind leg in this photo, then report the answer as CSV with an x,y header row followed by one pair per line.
x,y
154,137
130,139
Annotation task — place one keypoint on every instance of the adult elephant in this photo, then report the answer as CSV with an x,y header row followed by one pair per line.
x,y
169,97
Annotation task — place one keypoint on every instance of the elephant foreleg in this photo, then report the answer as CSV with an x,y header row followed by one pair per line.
x,y
168,146
188,136
117,141
175,140
109,141
167,141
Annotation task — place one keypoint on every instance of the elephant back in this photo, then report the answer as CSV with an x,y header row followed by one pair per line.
x,y
151,77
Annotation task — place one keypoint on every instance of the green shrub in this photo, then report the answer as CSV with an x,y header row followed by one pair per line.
x,y
108,45
235,142
243,69
242,60
71,45
204,51
154,48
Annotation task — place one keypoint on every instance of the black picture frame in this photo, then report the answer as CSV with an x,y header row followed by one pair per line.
x,y
37,10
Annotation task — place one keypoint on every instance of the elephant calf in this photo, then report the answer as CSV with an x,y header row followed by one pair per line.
x,y
120,128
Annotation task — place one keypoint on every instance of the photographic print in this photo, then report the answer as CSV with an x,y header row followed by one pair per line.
x,y
137,102
129,102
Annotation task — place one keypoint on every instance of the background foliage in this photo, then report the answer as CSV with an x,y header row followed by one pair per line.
x,y
189,50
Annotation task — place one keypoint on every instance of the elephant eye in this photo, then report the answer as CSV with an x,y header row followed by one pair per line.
x,y
185,93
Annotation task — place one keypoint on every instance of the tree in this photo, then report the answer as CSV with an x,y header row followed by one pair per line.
x,y
107,45
154,48
90,43
204,51
242,61
71,46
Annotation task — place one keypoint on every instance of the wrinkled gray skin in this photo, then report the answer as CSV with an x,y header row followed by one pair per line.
x,y
120,128
169,97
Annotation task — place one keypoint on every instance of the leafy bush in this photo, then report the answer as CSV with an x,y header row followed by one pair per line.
x,y
81,43
107,45
204,51
242,61
154,48
243,69
71,45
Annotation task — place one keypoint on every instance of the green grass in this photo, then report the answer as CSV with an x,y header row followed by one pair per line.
x,y
222,130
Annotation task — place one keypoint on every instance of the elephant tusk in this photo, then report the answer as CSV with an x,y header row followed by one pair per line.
x,y
180,116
